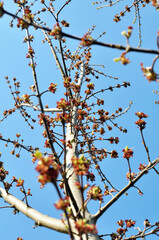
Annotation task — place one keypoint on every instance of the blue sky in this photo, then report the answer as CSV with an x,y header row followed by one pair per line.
x,y
82,15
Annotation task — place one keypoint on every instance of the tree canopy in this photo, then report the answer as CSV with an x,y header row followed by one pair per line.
x,y
79,119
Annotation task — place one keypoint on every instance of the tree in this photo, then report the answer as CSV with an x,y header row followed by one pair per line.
x,y
69,122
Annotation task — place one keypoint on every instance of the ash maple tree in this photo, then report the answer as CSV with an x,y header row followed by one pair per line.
x,y
76,127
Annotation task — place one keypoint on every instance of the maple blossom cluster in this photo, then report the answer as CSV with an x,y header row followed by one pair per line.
x,y
56,32
83,226
95,193
127,152
141,123
63,104
1,9
122,59
127,33
30,53
19,182
52,88
149,73
62,203
87,40
3,172
80,165
130,176
123,228
47,168
28,17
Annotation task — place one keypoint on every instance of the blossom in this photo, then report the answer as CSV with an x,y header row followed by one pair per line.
x,y
20,182
52,87
90,176
3,172
87,40
147,223
27,18
141,115
1,9
114,154
130,176
47,167
95,193
149,73
56,32
120,223
80,165
141,123
141,167
84,227
122,58
127,152
130,223
62,203
62,104
128,33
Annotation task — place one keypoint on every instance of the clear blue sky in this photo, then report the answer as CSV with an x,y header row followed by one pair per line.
x,y
82,15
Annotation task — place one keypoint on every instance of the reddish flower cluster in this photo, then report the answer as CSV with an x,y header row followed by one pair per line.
x,y
130,223
62,203
141,115
95,193
81,114
120,223
56,32
128,33
90,176
155,4
26,98
130,176
43,116
121,230
19,182
115,140
147,223
114,154
149,73
80,165
63,104
52,87
141,123
3,172
87,40
1,9
122,58
28,16
30,52
60,117
47,167
141,167
67,82
83,227
127,152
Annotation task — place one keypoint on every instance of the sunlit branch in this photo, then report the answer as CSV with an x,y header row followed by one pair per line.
x,y
94,42
54,54
39,218
51,110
